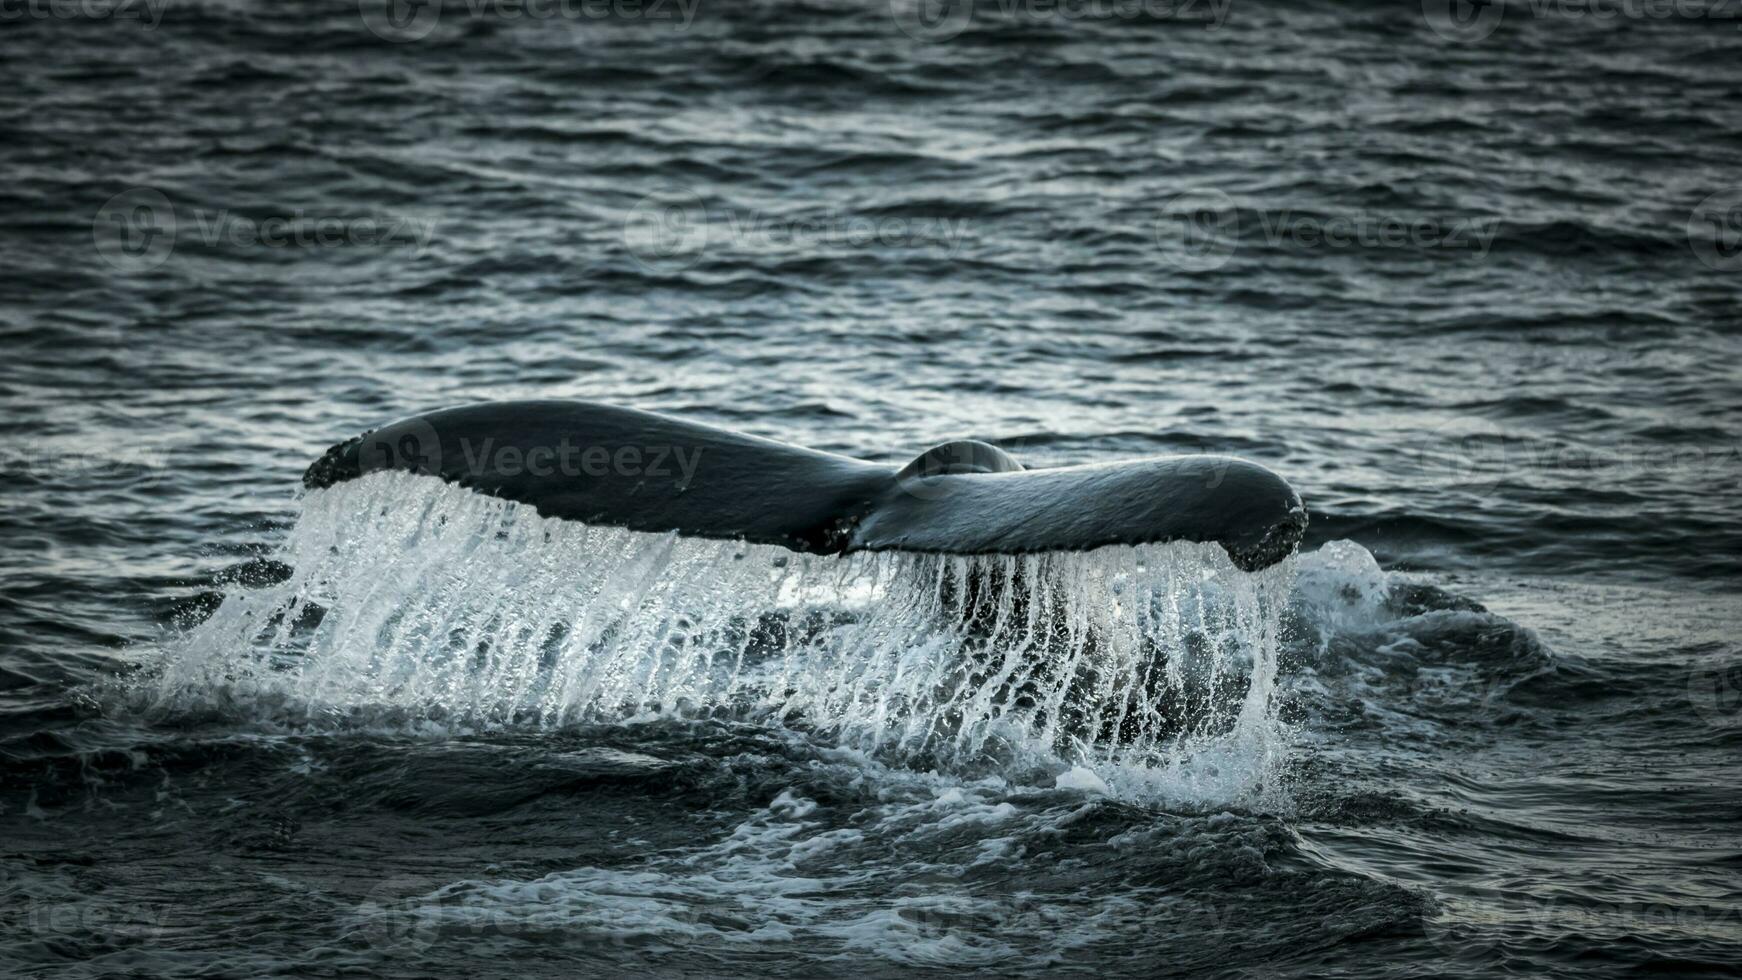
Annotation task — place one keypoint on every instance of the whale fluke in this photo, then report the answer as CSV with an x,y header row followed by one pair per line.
x,y
639,470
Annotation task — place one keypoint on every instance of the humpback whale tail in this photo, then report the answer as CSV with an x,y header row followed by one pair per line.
x,y
605,465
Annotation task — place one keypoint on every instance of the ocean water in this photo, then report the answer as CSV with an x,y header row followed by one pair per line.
x,y
1467,276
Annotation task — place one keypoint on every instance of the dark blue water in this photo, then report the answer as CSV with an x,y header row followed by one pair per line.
x,y
1470,284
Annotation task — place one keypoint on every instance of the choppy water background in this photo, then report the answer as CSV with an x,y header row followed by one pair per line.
x,y
1472,285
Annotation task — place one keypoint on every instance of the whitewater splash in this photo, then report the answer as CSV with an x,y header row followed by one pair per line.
x,y
411,600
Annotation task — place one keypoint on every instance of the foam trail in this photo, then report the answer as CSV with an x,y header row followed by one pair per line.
x,y
414,601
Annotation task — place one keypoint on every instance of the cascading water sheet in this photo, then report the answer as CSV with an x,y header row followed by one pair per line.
x,y
411,601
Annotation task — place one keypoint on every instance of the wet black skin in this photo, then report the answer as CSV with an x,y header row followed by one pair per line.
x,y
648,472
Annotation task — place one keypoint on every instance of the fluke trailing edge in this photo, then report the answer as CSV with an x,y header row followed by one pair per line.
x,y
622,467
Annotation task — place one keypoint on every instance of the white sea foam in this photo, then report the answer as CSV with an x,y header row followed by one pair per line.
x,y
782,876
1151,667
1342,587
